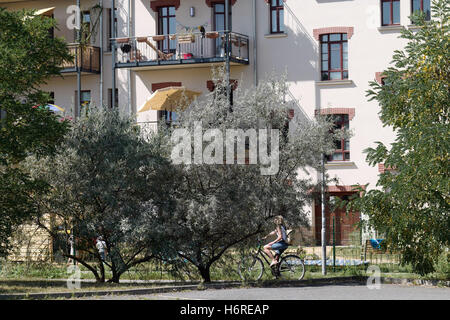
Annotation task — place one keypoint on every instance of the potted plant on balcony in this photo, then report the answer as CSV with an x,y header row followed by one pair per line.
x,y
186,38
212,35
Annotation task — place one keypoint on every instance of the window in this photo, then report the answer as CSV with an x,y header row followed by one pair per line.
x,y
85,26
168,116
422,5
109,28
166,26
51,31
342,152
52,98
390,12
219,25
276,16
116,104
334,56
85,100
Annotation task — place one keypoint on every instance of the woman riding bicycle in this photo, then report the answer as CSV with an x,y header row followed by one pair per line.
x,y
279,244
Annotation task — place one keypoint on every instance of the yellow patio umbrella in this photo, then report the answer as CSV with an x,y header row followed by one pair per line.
x,y
170,99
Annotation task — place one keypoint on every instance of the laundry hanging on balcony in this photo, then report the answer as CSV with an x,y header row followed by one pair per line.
x,y
170,99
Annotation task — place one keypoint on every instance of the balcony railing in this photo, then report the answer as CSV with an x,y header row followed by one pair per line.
x,y
87,58
181,49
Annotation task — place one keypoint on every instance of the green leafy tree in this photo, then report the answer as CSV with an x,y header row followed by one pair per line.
x,y
106,180
411,205
28,57
222,205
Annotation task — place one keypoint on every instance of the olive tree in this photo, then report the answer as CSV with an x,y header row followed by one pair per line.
x,y
106,180
237,166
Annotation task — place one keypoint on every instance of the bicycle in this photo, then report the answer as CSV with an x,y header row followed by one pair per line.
x,y
252,267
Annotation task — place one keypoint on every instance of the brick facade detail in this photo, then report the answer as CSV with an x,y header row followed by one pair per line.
x,y
210,3
318,32
211,85
379,76
162,85
349,111
155,4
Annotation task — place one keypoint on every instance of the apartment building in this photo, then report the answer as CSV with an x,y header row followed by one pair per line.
x,y
330,51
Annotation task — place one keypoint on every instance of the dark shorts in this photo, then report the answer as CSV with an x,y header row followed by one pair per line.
x,y
279,247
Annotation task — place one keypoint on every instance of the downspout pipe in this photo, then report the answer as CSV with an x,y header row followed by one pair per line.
x,y
101,52
227,50
113,49
78,53
129,108
255,42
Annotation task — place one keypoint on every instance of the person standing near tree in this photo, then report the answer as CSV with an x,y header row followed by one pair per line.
x,y
101,247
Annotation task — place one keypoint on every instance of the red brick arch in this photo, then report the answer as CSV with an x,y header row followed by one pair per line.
x,y
318,32
210,3
162,85
349,111
155,4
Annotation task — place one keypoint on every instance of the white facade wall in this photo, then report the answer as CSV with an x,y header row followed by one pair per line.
x,y
295,52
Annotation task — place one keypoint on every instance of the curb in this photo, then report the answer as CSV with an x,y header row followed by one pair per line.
x,y
416,282
177,288
224,285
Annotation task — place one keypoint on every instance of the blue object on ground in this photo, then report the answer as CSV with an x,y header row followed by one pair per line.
x,y
376,243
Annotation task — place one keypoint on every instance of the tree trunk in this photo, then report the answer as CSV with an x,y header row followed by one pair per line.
x,y
205,273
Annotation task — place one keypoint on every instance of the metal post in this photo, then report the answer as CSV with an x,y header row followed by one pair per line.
x,y
334,246
323,234
227,48
78,65
113,49
101,53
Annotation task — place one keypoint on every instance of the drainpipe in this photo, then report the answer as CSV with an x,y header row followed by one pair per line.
x,y
77,56
227,50
255,54
323,231
113,49
101,53
129,70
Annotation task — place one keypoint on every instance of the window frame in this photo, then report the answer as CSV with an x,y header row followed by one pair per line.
x,y
161,18
427,18
329,43
344,123
279,7
391,15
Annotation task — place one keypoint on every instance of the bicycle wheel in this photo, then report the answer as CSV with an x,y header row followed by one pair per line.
x,y
292,267
250,268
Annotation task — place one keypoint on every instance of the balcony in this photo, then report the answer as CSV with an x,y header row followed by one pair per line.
x,y
181,50
86,58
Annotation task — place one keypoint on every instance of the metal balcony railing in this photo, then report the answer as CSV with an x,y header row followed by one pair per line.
x,y
87,58
181,48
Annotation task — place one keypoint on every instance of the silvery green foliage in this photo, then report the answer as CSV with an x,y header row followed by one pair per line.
x,y
106,180
221,205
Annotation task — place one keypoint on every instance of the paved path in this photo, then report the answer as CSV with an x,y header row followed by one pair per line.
x,y
326,292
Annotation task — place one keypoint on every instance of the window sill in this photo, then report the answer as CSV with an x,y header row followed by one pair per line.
x,y
334,82
275,35
391,28
414,27
334,164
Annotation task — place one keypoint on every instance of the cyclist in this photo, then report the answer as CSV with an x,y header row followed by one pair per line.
x,y
279,244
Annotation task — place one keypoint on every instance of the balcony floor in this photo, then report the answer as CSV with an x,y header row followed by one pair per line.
x,y
180,63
